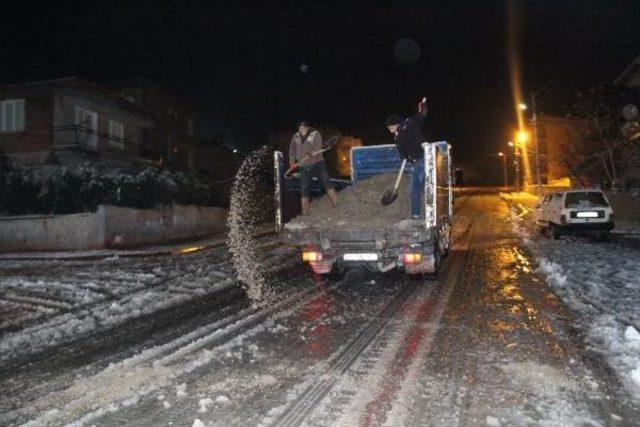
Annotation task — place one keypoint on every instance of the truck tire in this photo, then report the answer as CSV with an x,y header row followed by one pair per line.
x,y
436,265
337,273
555,232
541,228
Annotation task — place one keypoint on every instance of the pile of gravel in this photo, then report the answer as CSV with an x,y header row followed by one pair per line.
x,y
358,207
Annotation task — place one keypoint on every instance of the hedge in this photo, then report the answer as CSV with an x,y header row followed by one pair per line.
x,y
23,191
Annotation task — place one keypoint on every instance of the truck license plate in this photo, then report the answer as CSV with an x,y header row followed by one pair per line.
x,y
360,257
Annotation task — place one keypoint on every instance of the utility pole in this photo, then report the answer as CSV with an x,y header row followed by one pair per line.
x,y
534,123
516,163
504,164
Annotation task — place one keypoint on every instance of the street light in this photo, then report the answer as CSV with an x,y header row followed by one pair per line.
x,y
522,136
522,106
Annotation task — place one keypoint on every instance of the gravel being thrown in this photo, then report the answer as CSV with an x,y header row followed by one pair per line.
x,y
358,207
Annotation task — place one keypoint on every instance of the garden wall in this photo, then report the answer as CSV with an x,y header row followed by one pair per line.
x,y
108,227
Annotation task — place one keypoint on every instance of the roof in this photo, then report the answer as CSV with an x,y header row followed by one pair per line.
x,y
76,83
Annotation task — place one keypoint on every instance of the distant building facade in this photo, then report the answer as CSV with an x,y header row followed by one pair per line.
x,y
559,141
174,141
69,122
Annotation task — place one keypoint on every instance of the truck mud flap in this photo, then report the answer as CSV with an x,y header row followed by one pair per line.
x,y
322,267
428,265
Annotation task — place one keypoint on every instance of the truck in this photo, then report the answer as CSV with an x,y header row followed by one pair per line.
x,y
414,246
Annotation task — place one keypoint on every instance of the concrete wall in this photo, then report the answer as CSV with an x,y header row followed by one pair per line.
x,y
626,206
134,227
108,227
51,232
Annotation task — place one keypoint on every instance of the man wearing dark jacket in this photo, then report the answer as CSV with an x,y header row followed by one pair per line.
x,y
305,142
408,137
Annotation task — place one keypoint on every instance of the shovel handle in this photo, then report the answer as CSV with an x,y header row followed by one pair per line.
x,y
404,163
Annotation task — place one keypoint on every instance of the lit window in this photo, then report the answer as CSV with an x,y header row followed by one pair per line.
x,y
12,115
116,134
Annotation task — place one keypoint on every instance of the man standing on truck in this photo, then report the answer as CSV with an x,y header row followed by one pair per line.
x,y
408,137
305,144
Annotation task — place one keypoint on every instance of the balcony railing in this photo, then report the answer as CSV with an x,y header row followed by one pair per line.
x,y
82,137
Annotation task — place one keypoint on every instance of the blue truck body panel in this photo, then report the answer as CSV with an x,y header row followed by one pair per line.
x,y
375,160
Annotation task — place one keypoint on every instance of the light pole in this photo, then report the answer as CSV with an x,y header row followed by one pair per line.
x,y
516,163
534,125
504,164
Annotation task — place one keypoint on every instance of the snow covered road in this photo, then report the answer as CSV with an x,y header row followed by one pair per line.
x,y
488,343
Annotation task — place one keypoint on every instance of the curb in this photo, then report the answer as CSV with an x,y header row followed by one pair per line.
x,y
176,251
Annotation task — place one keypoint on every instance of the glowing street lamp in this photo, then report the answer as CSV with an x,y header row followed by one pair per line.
x,y
522,136
522,106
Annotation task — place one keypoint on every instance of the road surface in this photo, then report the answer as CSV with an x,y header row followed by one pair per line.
x,y
487,343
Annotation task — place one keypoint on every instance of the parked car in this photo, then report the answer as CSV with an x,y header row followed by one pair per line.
x,y
585,211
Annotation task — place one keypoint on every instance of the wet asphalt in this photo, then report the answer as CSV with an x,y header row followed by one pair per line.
x,y
486,343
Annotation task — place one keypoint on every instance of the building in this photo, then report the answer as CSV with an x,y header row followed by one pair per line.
x,y
69,122
174,141
559,140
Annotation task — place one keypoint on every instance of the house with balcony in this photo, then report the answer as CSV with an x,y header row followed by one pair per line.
x,y
69,122
174,141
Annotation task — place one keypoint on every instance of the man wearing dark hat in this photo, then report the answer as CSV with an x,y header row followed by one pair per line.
x,y
408,137
306,141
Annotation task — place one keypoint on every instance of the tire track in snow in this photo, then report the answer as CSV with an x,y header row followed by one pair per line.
x,y
155,368
297,412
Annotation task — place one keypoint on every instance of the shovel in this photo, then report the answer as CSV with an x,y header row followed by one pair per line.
x,y
391,195
329,144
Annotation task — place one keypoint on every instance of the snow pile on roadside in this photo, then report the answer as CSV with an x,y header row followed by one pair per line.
x,y
601,284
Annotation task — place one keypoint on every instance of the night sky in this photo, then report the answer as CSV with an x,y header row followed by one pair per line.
x,y
240,61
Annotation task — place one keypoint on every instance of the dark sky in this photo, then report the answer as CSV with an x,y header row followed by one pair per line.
x,y
241,60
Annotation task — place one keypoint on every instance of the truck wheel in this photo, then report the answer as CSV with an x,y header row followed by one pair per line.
x,y
436,265
541,228
555,232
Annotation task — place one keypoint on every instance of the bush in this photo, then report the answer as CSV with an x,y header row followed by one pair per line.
x,y
83,189
20,192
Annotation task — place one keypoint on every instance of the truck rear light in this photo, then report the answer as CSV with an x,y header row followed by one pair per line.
x,y
412,258
311,256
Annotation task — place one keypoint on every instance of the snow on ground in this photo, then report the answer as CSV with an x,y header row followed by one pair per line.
x,y
600,282
44,304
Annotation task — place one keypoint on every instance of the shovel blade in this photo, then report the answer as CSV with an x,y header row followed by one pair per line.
x,y
389,197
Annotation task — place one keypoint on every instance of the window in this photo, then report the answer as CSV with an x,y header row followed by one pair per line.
x,y
12,115
116,134
87,122
587,199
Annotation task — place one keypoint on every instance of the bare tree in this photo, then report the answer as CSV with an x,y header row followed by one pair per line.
x,y
605,153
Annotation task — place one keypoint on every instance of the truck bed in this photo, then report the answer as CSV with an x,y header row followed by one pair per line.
x,y
401,233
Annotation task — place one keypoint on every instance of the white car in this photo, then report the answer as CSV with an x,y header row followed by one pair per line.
x,y
575,211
